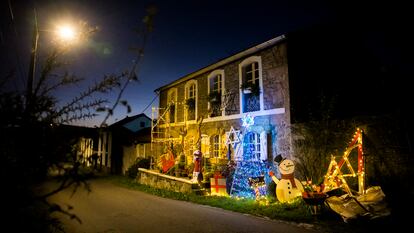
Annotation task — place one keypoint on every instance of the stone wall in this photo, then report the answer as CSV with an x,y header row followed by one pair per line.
x,y
161,181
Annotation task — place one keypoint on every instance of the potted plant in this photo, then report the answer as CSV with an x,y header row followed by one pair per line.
x,y
250,88
214,97
313,194
190,102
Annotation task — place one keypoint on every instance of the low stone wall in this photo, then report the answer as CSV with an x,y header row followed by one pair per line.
x,y
161,181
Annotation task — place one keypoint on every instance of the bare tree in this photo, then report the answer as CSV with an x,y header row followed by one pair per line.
x,y
32,142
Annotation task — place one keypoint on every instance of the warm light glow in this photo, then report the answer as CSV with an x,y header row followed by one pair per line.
x,y
66,33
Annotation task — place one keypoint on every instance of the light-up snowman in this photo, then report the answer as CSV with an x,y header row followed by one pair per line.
x,y
288,187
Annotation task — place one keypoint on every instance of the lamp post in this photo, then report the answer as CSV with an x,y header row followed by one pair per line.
x,y
65,33
32,67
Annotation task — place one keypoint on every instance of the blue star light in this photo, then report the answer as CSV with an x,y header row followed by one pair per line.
x,y
247,121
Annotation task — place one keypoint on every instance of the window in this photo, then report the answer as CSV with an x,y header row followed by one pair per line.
x,y
251,72
216,91
216,142
190,100
205,145
171,101
252,147
189,148
251,85
215,83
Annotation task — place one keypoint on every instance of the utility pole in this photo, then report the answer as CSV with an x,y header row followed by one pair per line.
x,y
32,67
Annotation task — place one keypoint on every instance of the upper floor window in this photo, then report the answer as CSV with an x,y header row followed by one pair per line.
x,y
251,84
216,91
172,105
190,100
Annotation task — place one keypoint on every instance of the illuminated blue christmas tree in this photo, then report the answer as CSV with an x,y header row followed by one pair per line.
x,y
244,171
250,164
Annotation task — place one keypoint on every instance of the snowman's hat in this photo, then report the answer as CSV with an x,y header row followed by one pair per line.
x,y
278,158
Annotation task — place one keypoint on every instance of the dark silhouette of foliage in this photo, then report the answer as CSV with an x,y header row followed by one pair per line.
x,y
132,171
33,142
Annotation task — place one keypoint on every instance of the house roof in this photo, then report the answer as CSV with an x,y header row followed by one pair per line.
x,y
225,61
128,119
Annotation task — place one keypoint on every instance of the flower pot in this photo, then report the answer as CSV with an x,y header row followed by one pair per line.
x,y
314,198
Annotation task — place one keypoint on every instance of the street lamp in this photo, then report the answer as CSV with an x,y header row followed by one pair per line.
x,y
66,33
32,67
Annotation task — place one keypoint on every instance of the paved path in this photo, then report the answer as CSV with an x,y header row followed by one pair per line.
x,y
110,208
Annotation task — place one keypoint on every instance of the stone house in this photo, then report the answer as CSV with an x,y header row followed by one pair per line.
x,y
205,109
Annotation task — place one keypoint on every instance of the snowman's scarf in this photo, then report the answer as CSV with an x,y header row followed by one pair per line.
x,y
291,178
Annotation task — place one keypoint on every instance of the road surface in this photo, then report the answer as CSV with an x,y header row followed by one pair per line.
x,y
110,208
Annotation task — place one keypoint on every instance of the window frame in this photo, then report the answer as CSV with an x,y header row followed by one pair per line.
x,y
211,76
187,87
216,152
173,100
246,62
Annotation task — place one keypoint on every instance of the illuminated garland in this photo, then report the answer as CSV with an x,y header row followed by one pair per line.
x,y
249,166
334,177
244,171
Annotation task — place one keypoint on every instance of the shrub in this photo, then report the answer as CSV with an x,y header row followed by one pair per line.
x,y
132,171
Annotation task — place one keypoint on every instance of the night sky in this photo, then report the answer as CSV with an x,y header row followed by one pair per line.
x,y
187,36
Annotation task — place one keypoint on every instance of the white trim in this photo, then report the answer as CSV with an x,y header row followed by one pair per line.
x,y
245,62
212,75
263,145
274,111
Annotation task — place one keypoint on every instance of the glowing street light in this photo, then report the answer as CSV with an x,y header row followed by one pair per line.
x,y
65,33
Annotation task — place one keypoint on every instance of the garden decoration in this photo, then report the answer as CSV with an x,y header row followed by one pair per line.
x,y
369,203
335,178
314,197
288,187
259,186
218,185
233,137
167,161
197,175
247,164
247,121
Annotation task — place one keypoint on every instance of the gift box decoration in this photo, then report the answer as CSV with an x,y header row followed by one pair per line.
x,y
218,185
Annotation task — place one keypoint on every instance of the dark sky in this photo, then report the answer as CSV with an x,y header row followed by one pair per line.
x,y
187,36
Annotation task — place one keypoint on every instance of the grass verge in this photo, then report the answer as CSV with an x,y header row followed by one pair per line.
x,y
296,211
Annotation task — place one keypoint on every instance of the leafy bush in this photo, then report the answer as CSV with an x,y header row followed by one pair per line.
x,y
132,171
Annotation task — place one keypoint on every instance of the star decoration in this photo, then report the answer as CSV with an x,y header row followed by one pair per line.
x,y
247,121
233,137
